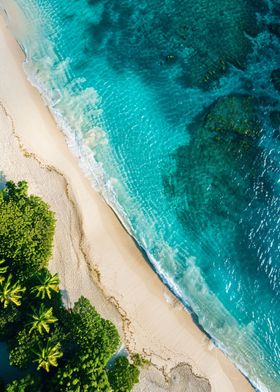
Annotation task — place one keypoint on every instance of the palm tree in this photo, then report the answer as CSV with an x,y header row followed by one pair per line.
x,y
48,283
48,356
10,293
42,319
3,271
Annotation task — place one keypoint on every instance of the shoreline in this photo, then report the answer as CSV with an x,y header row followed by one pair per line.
x,y
49,148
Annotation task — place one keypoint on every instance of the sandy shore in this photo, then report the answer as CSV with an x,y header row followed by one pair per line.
x,y
93,253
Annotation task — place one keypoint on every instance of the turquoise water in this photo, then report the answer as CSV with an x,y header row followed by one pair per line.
x,y
173,109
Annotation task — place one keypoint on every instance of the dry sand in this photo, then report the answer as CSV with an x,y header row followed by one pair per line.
x,y
93,253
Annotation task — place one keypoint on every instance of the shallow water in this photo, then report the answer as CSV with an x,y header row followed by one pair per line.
x,y
174,112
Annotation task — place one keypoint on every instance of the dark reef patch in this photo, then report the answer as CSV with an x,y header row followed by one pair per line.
x,y
275,79
274,28
275,118
94,2
218,182
275,122
197,43
216,172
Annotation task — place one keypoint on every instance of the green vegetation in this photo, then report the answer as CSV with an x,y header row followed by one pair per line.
x,y
28,383
26,230
10,292
47,283
123,375
139,361
58,349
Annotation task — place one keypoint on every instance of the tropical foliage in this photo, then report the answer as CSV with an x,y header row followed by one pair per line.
x,y
30,383
8,319
59,350
47,284
42,319
48,356
10,292
26,229
3,271
123,375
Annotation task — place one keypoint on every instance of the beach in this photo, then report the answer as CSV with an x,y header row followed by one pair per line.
x,y
93,253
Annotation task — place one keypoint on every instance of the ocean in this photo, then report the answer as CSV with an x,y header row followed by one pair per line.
x,y
173,108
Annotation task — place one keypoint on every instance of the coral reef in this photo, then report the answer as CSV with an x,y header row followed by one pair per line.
x,y
274,28
199,42
220,172
275,78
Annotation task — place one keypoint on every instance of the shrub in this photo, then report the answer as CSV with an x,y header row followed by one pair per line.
x,y
26,229
123,375
28,383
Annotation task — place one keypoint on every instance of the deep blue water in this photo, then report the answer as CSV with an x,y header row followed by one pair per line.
x,y
174,110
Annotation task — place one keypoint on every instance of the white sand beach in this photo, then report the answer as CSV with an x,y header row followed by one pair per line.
x,y
93,253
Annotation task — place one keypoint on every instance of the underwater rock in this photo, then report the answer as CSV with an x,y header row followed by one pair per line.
x,y
215,38
274,28
93,2
275,118
276,134
275,79
170,58
275,122
203,36
220,172
232,116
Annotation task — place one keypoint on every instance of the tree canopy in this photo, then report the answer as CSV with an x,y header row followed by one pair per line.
x,y
59,349
26,229
123,375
